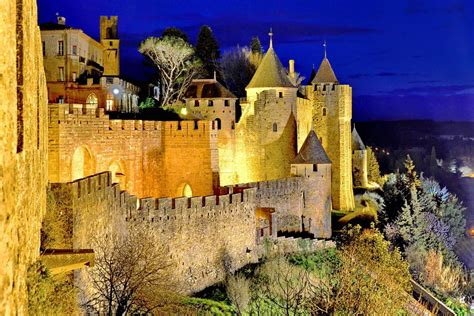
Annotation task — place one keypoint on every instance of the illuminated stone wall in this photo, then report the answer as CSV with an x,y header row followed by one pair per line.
x,y
359,168
23,155
149,158
201,232
332,113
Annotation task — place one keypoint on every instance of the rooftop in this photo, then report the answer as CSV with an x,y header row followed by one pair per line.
x,y
325,73
357,143
312,152
270,73
207,88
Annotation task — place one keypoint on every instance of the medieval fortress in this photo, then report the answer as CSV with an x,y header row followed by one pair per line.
x,y
209,185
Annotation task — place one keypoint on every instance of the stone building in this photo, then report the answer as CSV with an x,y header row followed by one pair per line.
x,y
23,150
359,161
81,70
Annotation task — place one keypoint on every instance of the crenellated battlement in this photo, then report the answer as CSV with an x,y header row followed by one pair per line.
x,y
278,187
82,114
161,209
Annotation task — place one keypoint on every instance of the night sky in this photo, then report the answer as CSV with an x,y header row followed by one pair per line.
x,y
405,59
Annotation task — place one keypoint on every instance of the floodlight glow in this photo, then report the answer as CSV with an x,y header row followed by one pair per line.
x,y
116,91
184,111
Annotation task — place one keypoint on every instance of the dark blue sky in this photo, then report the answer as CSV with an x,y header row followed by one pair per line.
x,y
404,58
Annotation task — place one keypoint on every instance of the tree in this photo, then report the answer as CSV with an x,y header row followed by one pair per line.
x,y
256,46
237,69
175,32
176,63
238,291
372,278
207,49
373,168
130,269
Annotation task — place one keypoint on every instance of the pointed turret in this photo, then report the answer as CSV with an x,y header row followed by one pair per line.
x,y
357,143
325,73
270,73
312,75
312,152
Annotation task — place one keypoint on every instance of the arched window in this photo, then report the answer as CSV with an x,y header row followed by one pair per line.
x,y
92,100
210,103
196,102
232,125
275,127
218,123
324,111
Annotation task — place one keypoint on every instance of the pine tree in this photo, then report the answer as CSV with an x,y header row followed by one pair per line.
x,y
256,46
175,32
412,176
404,223
373,167
207,49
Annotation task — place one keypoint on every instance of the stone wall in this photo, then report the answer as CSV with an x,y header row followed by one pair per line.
x,y
201,232
148,158
23,155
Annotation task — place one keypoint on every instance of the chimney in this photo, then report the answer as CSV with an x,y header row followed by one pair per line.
x,y
61,20
291,68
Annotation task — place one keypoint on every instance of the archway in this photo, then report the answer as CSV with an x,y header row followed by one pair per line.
x,y
92,100
82,163
118,174
184,190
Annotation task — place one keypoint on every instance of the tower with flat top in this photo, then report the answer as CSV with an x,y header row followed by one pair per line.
x,y
110,40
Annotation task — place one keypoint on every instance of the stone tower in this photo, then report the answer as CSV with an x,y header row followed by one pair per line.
x,y
110,40
267,128
359,161
314,166
332,113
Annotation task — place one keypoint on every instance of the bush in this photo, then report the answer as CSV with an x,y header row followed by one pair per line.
x,y
48,295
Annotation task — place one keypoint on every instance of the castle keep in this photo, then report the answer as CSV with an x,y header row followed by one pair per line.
x,y
211,187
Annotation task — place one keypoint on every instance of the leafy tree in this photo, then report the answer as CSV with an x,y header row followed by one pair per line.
x,y
207,49
130,271
175,32
147,104
176,63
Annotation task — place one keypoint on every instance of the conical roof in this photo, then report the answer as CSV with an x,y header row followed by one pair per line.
x,y
312,152
270,73
312,76
325,73
357,143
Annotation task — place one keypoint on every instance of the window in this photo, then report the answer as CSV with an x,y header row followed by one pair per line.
x,y
280,95
226,103
44,48
218,122
60,48
324,111
109,103
210,103
74,76
74,50
61,74
110,43
232,125
92,99
275,127
196,102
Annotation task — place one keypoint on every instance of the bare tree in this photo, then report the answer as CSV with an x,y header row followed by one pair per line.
x,y
238,291
284,285
176,63
128,267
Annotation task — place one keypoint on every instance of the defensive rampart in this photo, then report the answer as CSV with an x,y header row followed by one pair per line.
x,y
147,158
205,235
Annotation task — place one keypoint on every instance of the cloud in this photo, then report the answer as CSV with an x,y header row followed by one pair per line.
x,y
434,90
382,74
418,7
389,107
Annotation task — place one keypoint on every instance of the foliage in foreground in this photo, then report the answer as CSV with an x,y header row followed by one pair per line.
x,y
364,276
48,295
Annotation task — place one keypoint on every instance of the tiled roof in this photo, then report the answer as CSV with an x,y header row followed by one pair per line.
x,y
312,152
270,73
207,88
357,143
325,73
